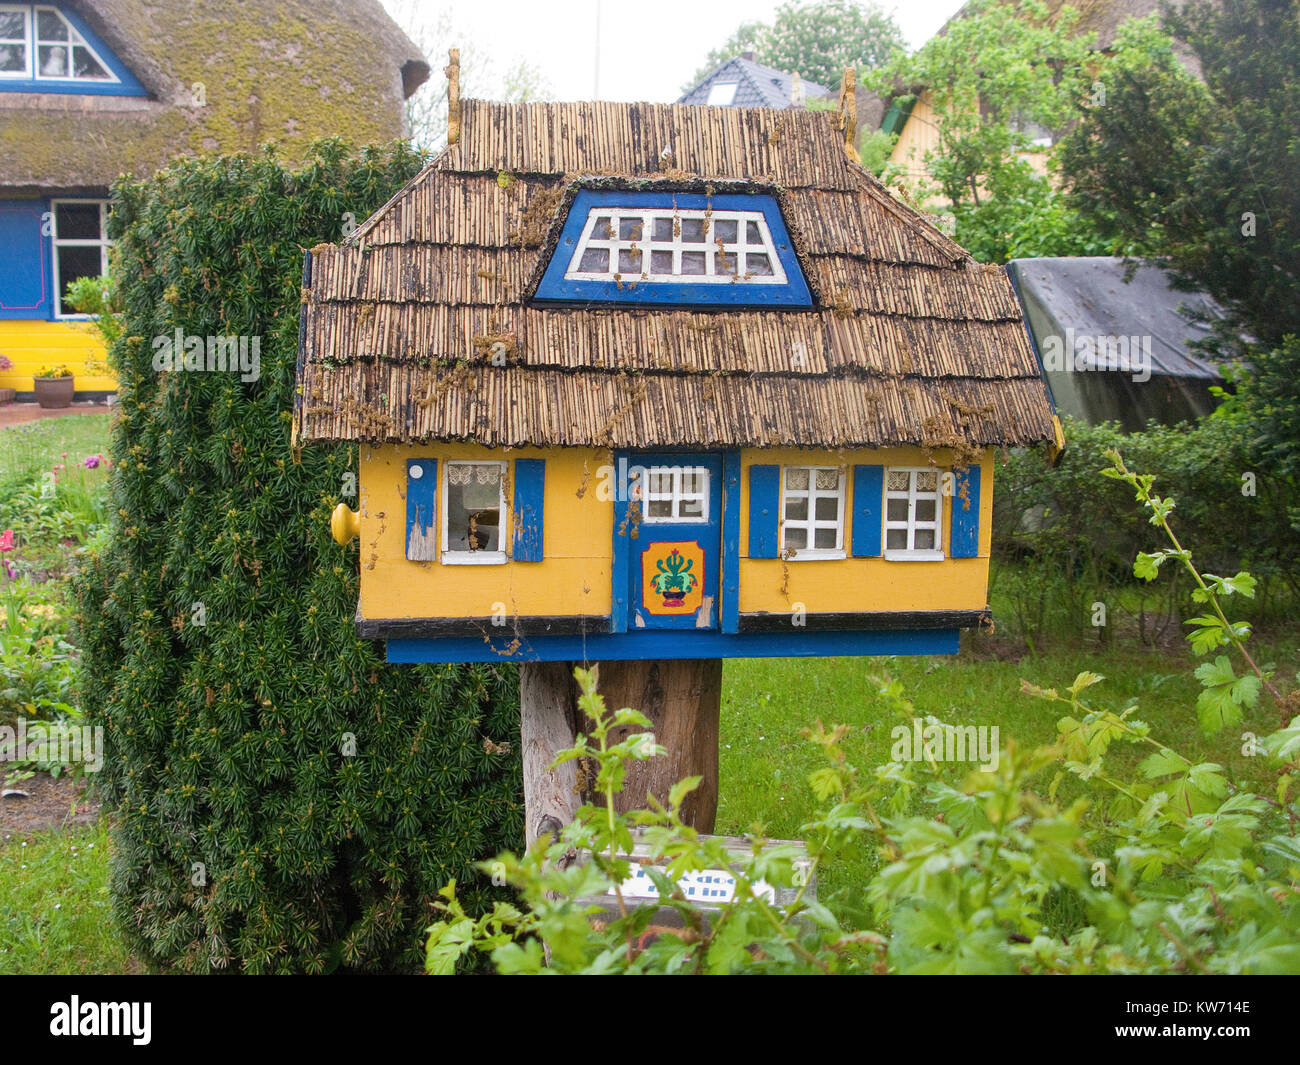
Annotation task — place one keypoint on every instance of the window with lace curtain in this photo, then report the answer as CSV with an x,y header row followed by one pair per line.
x,y
812,512
473,515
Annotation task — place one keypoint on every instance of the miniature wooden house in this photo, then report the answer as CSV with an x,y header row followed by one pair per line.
x,y
643,381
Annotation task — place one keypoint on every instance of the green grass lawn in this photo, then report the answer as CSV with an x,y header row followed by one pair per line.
x,y
54,907
28,450
765,762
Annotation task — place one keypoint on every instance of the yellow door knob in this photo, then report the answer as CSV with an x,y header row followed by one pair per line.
x,y
345,523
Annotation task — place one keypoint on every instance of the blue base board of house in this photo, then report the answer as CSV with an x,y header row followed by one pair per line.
x,y
668,644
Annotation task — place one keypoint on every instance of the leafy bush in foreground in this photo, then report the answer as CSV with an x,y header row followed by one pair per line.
x,y
1181,869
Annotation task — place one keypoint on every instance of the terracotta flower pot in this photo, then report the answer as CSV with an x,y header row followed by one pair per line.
x,y
52,392
8,395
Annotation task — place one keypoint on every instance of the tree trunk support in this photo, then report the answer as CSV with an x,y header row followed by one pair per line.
x,y
681,698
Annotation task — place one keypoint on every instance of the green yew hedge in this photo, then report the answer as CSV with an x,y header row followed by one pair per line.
x,y
282,799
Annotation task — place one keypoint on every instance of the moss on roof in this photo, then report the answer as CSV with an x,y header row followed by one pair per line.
x,y
288,71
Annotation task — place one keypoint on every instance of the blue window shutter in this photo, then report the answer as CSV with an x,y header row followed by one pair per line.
x,y
964,541
764,510
530,492
421,492
24,258
868,496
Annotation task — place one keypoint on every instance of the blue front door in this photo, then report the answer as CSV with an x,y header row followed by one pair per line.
x,y
670,530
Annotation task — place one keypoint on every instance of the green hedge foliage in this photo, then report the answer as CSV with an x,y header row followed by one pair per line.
x,y
1065,538
284,801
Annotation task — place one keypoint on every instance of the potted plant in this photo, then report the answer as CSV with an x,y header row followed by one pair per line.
x,y
53,386
7,395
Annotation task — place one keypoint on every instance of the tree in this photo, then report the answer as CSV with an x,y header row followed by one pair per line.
x,y
1000,78
426,109
284,799
815,40
1206,175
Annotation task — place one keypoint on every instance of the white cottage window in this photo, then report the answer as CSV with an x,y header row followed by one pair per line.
x,y
473,513
38,43
677,495
655,246
913,510
80,242
812,511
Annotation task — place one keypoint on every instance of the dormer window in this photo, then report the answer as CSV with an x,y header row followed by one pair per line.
x,y
707,247
43,49
675,248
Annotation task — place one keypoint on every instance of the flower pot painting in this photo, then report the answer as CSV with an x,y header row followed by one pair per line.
x,y
672,578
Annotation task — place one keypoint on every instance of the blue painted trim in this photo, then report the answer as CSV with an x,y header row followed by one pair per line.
x,y
964,535
529,508
707,535
26,271
620,588
868,497
764,511
554,287
421,500
126,85
667,644
730,610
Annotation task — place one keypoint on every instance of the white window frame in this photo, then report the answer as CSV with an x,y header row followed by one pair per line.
x,y
716,95
911,524
472,558
26,11
57,242
812,523
737,250
32,71
676,495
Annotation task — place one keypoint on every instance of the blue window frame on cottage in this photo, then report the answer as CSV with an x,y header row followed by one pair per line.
x,y
49,49
674,249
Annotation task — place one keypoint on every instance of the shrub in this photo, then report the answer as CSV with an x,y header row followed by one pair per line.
x,y
1064,539
284,800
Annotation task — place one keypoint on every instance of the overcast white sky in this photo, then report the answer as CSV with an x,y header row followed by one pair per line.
x,y
647,50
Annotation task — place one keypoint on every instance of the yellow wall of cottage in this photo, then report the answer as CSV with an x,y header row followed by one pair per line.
x,y
572,579
832,586
31,345
574,576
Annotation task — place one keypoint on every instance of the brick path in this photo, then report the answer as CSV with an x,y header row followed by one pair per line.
x,y
18,413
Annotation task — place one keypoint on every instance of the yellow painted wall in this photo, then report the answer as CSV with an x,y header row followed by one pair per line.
x,y
865,584
573,578
920,134
31,345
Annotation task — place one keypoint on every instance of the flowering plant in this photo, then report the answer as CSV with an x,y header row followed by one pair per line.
x,y
53,371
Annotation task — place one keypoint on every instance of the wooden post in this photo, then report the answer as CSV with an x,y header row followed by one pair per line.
x,y
452,71
682,699
548,723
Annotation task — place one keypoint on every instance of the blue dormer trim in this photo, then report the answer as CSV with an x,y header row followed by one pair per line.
x,y
554,287
127,84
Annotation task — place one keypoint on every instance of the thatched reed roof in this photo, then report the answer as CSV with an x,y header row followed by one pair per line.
x,y
909,340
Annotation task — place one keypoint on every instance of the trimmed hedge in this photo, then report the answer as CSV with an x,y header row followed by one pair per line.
x,y
283,800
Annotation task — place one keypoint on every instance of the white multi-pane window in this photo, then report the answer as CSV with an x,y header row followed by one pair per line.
x,y
913,508
37,42
675,494
685,246
473,513
812,511
78,231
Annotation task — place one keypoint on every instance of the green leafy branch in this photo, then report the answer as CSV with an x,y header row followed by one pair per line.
x,y
1223,693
